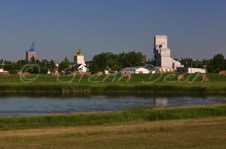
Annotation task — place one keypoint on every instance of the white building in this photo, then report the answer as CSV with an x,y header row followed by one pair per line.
x,y
162,54
80,61
191,70
135,70
140,70
79,58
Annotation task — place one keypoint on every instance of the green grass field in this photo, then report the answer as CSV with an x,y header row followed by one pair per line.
x,y
192,133
194,127
143,83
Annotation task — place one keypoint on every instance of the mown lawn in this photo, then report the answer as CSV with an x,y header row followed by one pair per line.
x,y
191,133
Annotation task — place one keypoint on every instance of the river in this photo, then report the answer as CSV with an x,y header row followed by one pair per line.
x,y
52,105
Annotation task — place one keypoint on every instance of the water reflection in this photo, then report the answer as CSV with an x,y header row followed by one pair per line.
x,y
161,101
47,105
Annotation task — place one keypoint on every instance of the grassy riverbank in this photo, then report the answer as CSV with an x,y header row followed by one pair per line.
x,y
138,84
90,119
195,127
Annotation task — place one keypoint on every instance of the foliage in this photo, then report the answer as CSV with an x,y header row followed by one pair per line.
x,y
35,66
214,65
116,61
64,65
217,64
103,60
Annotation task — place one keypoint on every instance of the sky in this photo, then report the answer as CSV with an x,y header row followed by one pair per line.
x,y
195,28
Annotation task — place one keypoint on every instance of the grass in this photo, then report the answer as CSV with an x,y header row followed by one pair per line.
x,y
92,119
176,127
191,133
137,84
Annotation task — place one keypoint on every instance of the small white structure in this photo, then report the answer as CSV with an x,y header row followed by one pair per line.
x,y
107,70
196,70
48,72
82,68
80,61
135,70
191,70
162,54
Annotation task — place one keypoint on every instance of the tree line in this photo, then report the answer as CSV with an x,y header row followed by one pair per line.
x,y
110,61
214,65
115,62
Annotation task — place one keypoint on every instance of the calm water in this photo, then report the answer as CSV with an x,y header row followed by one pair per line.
x,y
37,106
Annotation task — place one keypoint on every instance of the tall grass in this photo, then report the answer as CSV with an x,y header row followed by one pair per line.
x,y
135,114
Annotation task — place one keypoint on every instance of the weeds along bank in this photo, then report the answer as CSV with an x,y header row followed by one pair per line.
x,y
139,114
114,83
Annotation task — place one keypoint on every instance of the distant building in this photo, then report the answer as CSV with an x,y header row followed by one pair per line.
x,y
140,70
31,53
135,70
162,54
163,60
80,61
190,70
79,58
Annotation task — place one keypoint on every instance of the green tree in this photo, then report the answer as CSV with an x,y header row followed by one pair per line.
x,y
216,64
116,61
32,60
100,61
52,65
64,65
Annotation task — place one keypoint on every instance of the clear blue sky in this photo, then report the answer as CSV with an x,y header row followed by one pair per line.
x,y
195,28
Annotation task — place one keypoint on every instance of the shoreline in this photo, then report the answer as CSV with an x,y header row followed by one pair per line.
x,y
138,114
73,90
